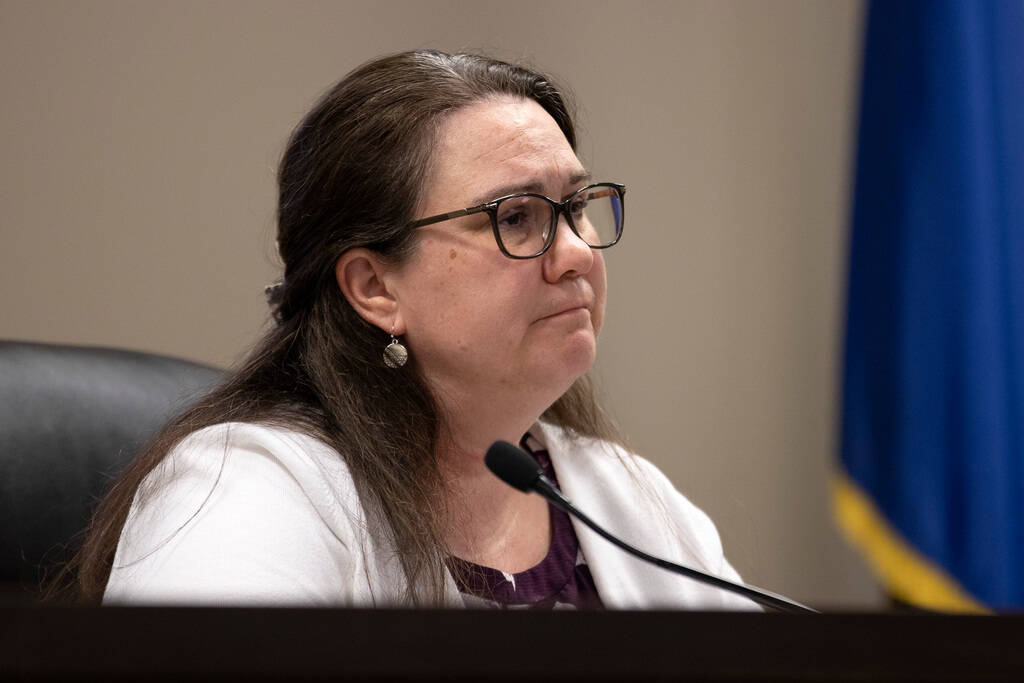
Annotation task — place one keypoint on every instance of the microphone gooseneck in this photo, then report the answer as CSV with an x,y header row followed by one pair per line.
x,y
519,470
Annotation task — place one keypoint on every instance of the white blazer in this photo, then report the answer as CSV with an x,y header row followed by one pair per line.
x,y
247,514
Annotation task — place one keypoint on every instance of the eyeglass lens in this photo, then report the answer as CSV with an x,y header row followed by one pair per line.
x,y
524,223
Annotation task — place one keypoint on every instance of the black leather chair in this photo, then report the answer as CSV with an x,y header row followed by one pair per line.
x,y
71,418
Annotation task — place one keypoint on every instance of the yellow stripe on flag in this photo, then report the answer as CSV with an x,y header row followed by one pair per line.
x,y
906,574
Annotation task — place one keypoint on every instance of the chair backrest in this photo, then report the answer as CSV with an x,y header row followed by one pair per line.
x,y
71,418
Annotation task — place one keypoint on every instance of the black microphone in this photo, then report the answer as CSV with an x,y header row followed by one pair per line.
x,y
519,470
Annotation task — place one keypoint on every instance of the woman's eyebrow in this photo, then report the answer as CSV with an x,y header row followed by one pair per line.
x,y
578,178
532,186
536,186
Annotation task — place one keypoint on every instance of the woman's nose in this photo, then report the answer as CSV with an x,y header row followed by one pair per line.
x,y
568,254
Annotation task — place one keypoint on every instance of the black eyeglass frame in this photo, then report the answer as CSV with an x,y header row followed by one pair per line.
x,y
559,208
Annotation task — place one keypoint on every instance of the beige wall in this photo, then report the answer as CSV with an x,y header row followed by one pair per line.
x,y
137,205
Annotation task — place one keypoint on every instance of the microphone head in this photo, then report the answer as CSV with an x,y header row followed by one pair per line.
x,y
512,466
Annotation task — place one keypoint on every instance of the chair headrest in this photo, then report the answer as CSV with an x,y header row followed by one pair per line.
x,y
71,417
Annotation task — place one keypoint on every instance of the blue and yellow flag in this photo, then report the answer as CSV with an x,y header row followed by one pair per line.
x,y
932,480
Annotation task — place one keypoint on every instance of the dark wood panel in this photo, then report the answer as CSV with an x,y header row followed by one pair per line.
x,y
308,644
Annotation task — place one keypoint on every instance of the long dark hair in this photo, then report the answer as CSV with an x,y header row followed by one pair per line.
x,y
351,176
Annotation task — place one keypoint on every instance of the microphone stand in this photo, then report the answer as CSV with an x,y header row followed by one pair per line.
x,y
545,488
520,471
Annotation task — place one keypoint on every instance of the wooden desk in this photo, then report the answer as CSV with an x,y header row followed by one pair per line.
x,y
330,644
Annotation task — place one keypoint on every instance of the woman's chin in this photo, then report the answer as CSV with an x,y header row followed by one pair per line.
x,y
577,359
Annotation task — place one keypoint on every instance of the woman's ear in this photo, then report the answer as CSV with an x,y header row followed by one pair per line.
x,y
360,275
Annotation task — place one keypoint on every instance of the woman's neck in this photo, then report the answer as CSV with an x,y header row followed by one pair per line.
x,y
489,522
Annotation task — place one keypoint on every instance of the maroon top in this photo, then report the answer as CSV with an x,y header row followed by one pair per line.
x,y
562,580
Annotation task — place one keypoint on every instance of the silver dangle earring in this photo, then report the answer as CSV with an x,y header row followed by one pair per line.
x,y
395,353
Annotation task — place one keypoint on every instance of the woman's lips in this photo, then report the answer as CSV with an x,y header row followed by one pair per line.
x,y
568,311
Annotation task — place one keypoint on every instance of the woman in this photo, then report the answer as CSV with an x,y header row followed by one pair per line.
x,y
418,321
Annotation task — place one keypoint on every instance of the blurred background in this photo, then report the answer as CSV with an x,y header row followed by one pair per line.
x,y
137,203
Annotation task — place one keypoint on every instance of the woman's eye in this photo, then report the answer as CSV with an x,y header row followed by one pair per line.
x,y
517,214
578,206
511,220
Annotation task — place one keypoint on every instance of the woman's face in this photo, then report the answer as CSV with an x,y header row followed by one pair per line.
x,y
483,326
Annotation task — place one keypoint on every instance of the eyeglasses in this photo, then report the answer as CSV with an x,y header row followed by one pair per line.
x,y
525,223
